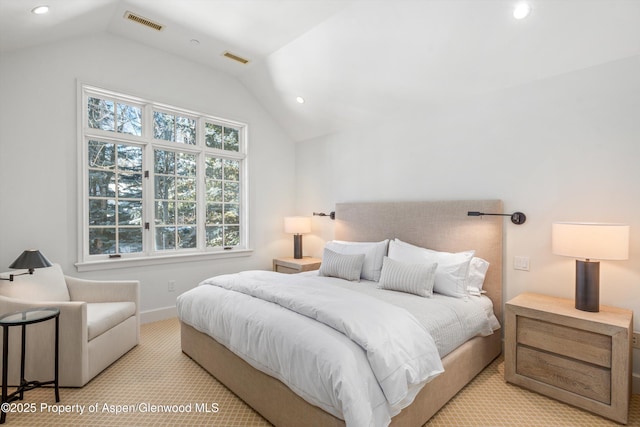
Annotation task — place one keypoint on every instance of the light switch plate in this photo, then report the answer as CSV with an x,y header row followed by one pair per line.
x,y
521,263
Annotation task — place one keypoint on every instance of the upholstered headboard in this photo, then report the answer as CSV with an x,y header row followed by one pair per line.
x,y
440,225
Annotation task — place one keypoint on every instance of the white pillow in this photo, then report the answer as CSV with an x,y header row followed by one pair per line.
x,y
477,272
415,279
373,252
348,267
452,270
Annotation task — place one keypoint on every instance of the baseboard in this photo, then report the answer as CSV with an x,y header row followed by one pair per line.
x,y
158,314
635,383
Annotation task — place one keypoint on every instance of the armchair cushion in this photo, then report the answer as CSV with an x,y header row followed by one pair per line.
x,y
102,316
45,284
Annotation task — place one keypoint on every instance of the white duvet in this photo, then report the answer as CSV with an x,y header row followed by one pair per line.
x,y
353,355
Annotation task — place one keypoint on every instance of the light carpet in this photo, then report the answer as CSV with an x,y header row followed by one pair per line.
x,y
155,384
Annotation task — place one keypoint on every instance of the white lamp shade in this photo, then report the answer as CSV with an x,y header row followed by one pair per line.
x,y
590,240
297,224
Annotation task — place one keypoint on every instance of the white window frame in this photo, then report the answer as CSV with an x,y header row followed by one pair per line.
x,y
149,255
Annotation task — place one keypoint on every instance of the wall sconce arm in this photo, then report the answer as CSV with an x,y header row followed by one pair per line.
x,y
516,217
331,214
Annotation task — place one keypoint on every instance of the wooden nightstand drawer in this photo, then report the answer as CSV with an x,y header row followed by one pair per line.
x,y
574,343
568,374
286,270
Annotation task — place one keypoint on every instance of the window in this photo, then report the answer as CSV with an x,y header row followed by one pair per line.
x,y
223,202
114,198
158,180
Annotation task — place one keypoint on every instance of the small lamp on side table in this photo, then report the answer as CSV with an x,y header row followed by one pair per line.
x,y
589,241
297,225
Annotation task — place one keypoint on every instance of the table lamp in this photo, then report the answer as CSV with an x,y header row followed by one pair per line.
x,y
589,241
297,225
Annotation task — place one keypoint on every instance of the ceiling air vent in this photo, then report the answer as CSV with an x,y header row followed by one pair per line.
x,y
235,57
143,21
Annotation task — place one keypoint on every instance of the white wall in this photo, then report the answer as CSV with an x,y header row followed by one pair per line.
x,y
38,153
565,148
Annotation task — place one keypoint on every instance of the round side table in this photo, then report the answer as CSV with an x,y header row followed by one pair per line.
x,y
24,318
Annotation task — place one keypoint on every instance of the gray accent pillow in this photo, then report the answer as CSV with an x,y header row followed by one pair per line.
x,y
373,254
343,266
452,271
417,279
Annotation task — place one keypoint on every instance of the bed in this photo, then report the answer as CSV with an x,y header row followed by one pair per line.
x,y
438,225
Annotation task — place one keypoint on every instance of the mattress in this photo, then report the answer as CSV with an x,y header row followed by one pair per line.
x,y
318,362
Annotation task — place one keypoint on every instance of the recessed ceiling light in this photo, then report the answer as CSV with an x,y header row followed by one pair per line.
x,y
300,100
39,10
521,11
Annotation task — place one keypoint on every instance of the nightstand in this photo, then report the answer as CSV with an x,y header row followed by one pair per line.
x,y
293,265
578,357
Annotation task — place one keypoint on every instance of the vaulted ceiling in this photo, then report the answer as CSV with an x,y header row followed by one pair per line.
x,y
353,61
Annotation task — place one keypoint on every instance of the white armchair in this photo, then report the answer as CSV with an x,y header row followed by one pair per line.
x,y
99,322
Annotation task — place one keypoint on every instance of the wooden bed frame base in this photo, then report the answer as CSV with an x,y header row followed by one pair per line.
x,y
282,407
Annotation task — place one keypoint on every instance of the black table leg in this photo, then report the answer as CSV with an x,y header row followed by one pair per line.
x,y
22,380
56,360
5,369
